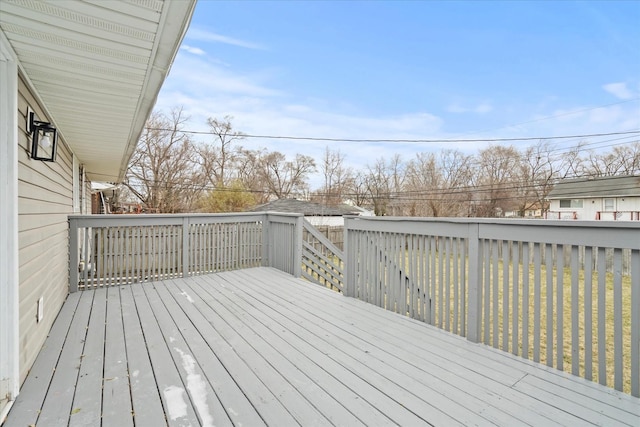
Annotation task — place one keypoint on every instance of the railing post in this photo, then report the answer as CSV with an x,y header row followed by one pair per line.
x,y
265,240
297,245
475,284
73,255
185,246
349,270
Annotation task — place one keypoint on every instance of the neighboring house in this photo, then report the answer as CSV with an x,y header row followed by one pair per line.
x,y
92,71
316,213
534,211
602,198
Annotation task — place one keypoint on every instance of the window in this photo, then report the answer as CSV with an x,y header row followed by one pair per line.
x,y
609,205
570,203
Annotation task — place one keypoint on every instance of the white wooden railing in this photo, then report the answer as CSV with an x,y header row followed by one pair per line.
x,y
118,249
537,289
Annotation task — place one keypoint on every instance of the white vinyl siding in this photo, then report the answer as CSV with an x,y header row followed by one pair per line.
x,y
45,198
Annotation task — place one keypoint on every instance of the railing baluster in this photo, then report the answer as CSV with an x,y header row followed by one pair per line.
x,y
575,315
618,353
505,295
515,319
635,323
549,299
602,311
537,299
559,317
588,310
526,263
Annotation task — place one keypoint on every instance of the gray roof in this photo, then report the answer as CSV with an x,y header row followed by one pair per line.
x,y
306,208
584,188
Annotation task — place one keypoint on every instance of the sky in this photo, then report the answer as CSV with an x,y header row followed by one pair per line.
x,y
441,71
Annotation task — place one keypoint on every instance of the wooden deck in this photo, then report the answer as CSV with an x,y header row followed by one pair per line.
x,y
259,347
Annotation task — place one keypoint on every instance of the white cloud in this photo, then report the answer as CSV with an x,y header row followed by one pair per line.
x,y
208,36
192,50
619,90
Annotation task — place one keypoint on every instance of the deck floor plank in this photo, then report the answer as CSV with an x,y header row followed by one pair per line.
x,y
116,397
263,400
178,408
202,396
145,396
56,409
259,347
87,409
299,408
236,405
286,360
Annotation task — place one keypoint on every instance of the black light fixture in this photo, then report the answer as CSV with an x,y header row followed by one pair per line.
x,y
44,138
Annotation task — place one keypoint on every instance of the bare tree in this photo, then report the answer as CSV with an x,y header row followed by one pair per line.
x,y
538,173
494,189
162,172
218,157
337,177
622,160
378,182
284,178
439,184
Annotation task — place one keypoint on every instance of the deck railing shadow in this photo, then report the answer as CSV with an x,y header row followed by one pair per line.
x,y
554,292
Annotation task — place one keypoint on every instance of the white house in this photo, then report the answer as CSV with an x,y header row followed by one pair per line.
x,y
602,198
78,81
317,214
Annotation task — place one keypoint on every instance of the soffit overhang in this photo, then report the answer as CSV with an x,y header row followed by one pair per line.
x,y
97,67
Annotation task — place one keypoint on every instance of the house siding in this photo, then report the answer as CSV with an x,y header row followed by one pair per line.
x,y
45,198
592,206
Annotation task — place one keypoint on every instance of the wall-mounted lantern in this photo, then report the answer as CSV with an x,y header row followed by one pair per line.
x,y
43,140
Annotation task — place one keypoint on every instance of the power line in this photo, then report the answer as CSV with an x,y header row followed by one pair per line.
x,y
424,141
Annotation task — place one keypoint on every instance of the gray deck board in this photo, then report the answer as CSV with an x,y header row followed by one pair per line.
x,y
258,347
178,408
63,384
86,408
145,397
116,400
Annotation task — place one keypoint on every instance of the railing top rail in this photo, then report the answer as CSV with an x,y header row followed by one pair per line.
x,y
173,219
500,221
615,234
